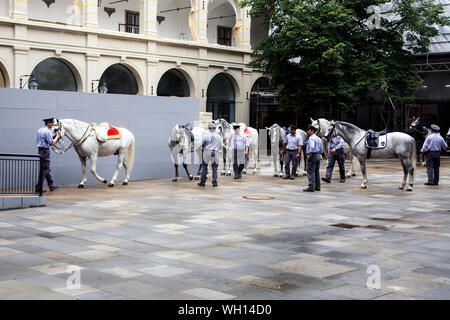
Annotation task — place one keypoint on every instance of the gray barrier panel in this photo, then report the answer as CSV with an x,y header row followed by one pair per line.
x,y
149,118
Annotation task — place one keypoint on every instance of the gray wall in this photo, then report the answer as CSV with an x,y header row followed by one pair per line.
x,y
149,118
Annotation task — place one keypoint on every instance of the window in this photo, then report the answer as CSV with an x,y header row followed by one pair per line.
x,y
224,35
131,22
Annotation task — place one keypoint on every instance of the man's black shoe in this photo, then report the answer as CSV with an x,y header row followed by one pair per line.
x,y
37,191
342,180
308,190
326,180
317,189
53,188
428,184
236,177
286,177
201,184
215,185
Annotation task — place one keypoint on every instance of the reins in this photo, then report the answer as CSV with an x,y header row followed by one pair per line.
x,y
74,145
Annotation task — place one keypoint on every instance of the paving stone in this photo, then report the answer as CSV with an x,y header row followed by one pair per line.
x,y
19,290
208,294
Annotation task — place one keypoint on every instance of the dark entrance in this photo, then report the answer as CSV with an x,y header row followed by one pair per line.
x,y
173,83
119,79
53,74
220,98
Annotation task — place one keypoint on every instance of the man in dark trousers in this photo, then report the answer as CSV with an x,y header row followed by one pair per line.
x,y
432,150
43,141
335,153
293,147
314,149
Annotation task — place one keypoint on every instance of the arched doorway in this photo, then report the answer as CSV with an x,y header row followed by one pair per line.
x,y
173,83
2,79
221,21
54,74
220,98
119,79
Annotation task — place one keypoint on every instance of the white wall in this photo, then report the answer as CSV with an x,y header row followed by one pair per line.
x,y
62,11
176,22
112,23
218,9
3,8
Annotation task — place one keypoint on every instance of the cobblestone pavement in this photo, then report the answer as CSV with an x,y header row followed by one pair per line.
x,y
255,238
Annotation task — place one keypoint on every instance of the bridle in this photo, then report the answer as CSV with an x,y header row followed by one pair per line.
x,y
63,148
333,125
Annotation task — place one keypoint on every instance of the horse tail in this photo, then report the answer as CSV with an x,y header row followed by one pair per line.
x,y
130,155
412,158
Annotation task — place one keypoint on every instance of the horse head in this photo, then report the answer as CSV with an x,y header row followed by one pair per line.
x,y
274,133
415,124
175,134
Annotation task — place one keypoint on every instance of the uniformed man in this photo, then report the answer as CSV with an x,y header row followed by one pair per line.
x,y
432,150
314,149
335,153
239,144
212,143
292,147
43,141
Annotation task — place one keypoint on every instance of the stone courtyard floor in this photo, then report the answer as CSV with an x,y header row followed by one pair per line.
x,y
255,238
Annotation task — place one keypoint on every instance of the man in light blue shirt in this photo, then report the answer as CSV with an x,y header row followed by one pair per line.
x,y
335,153
314,149
212,145
43,141
239,144
292,148
432,149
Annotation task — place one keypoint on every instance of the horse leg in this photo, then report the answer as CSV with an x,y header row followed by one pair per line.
x,y
229,161
200,157
93,168
120,158
255,161
409,170
405,174
83,171
174,153
224,170
305,158
364,172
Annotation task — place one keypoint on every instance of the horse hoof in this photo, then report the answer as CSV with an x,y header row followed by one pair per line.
x,y
304,174
275,175
191,177
174,179
80,186
111,185
401,188
353,174
363,187
408,189
222,174
196,178
125,183
104,181
228,174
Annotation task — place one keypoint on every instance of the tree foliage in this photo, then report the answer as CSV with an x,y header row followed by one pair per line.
x,y
324,53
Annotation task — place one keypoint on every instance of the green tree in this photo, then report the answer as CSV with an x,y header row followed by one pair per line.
x,y
324,53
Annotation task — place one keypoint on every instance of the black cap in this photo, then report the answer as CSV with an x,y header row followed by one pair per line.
x,y
310,127
236,126
48,120
292,127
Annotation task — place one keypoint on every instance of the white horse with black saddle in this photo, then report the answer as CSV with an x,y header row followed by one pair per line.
x,y
92,141
322,125
388,146
186,141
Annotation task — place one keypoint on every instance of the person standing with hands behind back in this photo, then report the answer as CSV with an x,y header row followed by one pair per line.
x,y
292,148
314,149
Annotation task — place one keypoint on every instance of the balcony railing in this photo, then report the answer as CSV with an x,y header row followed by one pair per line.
x,y
128,28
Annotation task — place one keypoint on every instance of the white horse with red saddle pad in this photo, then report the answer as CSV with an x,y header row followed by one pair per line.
x,y
102,140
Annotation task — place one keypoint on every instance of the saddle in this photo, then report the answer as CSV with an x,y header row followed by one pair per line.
x,y
104,132
376,139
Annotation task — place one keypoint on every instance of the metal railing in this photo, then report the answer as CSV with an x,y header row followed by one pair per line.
x,y
129,28
19,173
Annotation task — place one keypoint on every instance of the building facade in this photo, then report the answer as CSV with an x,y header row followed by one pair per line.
x,y
184,48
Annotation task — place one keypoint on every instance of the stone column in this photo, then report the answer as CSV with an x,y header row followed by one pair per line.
x,y
19,9
247,87
148,10
20,66
198,20
243,34
89,14
92,71
203,86
152,77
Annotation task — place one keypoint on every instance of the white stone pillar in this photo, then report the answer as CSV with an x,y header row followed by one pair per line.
x,y
203,86
19,9
89,13
92,71
20,65
198,21
148,10
152,77
243,34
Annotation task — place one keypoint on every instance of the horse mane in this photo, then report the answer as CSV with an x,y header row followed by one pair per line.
x,y
349,126
75,122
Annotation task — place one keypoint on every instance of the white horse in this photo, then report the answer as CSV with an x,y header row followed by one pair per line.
x,y
277,135
322,125
398,145
186,141
84,139
224,129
